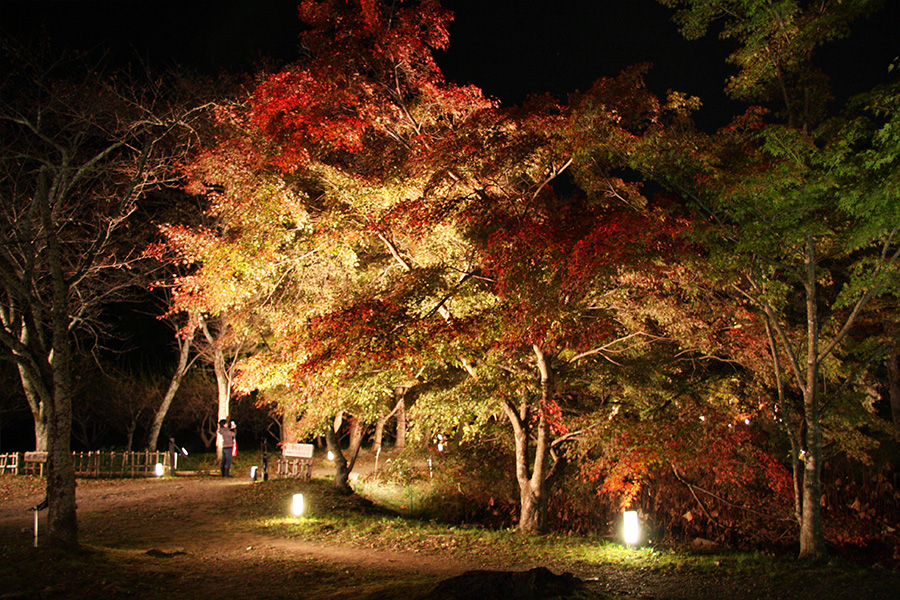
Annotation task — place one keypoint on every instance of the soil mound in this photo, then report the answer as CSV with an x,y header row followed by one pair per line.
x,y
535,584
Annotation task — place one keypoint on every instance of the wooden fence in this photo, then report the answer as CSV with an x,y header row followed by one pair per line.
x,y
294,467
91,464
119,464
10,463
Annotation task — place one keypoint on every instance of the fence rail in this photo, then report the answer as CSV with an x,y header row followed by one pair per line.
x,y
93,464
294,467
10,463
118,464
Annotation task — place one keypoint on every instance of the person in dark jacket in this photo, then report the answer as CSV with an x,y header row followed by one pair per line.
x,y
227,435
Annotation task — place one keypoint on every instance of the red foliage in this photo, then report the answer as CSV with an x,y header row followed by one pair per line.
x,y
710,476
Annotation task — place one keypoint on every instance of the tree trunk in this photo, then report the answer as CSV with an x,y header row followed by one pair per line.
x,y
290,432
184,351
400,437
399,405
784,415
223,380
62,520
343,465
37,402
533,514
378,435
532,481
812,538
533,487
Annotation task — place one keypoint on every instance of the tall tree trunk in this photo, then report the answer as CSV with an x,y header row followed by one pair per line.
x,y
402,424
223,380
62,520
785,417
812,537
378,435
184,351
532,480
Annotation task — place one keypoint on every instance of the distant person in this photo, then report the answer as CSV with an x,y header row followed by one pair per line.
x,y
226,433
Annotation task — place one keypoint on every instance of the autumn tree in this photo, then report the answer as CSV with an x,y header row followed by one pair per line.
x,y
800,210
80,147
295,193
381,227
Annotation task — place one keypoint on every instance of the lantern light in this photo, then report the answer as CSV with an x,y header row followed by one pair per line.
x,y
160,469
297,505
632,527
253,473
330,455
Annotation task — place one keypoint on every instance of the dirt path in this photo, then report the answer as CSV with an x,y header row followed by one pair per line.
x,y
179,538
179,534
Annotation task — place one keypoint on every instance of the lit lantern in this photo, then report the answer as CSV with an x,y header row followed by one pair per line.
x,y
632,527
297,505
253,473
160,469
330,455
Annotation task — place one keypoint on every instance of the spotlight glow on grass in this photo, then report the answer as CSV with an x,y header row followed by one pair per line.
x,y
297,505
632,527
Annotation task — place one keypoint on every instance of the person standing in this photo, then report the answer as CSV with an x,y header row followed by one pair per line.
x,y
227,435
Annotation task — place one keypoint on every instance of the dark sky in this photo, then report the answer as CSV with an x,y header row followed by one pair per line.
x,y
509,48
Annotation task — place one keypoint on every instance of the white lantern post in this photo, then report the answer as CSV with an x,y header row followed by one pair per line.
x,y
632,531
297,505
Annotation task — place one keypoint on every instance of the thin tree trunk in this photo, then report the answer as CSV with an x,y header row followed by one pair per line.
x,y
785,417
399,405
184,352
378,435
812,538
400,437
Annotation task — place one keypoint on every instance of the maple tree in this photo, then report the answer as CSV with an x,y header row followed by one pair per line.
x,y
378,227
293,192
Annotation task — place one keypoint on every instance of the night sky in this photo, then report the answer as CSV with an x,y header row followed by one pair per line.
x,y
509,48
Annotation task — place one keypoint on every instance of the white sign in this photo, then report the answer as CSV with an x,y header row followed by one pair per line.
x,y
298,450
37,457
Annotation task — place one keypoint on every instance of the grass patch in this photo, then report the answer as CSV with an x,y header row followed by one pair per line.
x,y
361,522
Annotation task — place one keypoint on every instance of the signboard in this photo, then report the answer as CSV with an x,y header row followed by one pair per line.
x,y
36,457
298,450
